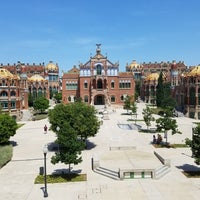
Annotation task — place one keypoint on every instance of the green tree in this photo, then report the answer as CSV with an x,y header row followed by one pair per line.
x,y
128,102
8,127
0,109
134,110
41,104
69,147
137,89
165,124
134,107
87,114
163,94
147,116
76,113
168,101
58,97
195,144
76,121
160,90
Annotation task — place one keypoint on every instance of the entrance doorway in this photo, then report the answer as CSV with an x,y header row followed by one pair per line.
x,y
99,100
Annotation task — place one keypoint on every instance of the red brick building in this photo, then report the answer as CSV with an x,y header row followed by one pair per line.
x,y
20,80
97,82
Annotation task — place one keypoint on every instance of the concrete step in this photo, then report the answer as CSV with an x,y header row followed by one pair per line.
x,y
107,172
161,171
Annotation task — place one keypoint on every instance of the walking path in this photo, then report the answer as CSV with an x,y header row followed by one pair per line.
x,y
17,177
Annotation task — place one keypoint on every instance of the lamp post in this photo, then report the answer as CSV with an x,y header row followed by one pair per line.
x,y
45,150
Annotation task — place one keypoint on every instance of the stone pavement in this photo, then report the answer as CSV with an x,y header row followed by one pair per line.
x,y
17,177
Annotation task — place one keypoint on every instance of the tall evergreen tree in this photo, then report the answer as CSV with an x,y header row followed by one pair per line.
x,y
163,94
160,91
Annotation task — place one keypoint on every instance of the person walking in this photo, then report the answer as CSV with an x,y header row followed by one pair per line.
x,y
45,129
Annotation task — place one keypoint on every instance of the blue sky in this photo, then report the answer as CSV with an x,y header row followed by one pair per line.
x,y
66,32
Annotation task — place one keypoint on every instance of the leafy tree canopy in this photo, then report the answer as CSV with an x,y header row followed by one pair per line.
x,y
166,123
195,144
80,116
76,121
41,104
69,147
128,102
147,116
58,97
8,127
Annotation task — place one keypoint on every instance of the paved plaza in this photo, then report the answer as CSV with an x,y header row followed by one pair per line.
x,y
17,177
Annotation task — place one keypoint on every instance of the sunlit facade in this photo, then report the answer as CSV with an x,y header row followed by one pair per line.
x,y
97,82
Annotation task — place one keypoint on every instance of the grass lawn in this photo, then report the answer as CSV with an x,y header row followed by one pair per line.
x,y
39,116
61,178
5,154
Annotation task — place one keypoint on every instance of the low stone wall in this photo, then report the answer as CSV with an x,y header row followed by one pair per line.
x,y
122,148
136,173
166,162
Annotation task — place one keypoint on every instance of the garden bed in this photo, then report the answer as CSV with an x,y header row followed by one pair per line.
x,y
163,145
61,178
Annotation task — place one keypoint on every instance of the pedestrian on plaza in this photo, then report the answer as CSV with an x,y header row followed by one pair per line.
x,y
154,139
45,129
159,139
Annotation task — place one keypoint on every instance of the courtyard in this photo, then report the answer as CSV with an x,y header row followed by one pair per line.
x,y
17,177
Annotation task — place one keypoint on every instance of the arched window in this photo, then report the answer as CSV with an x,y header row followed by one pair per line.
x,y
112,84
192,96
99,69
40,92
3,83
13,93
112,99
86,99
13,83
34,92
4,94
99,84
45,92
85,85
13,104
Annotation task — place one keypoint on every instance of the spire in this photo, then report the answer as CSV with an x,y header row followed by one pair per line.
x,y
98,48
